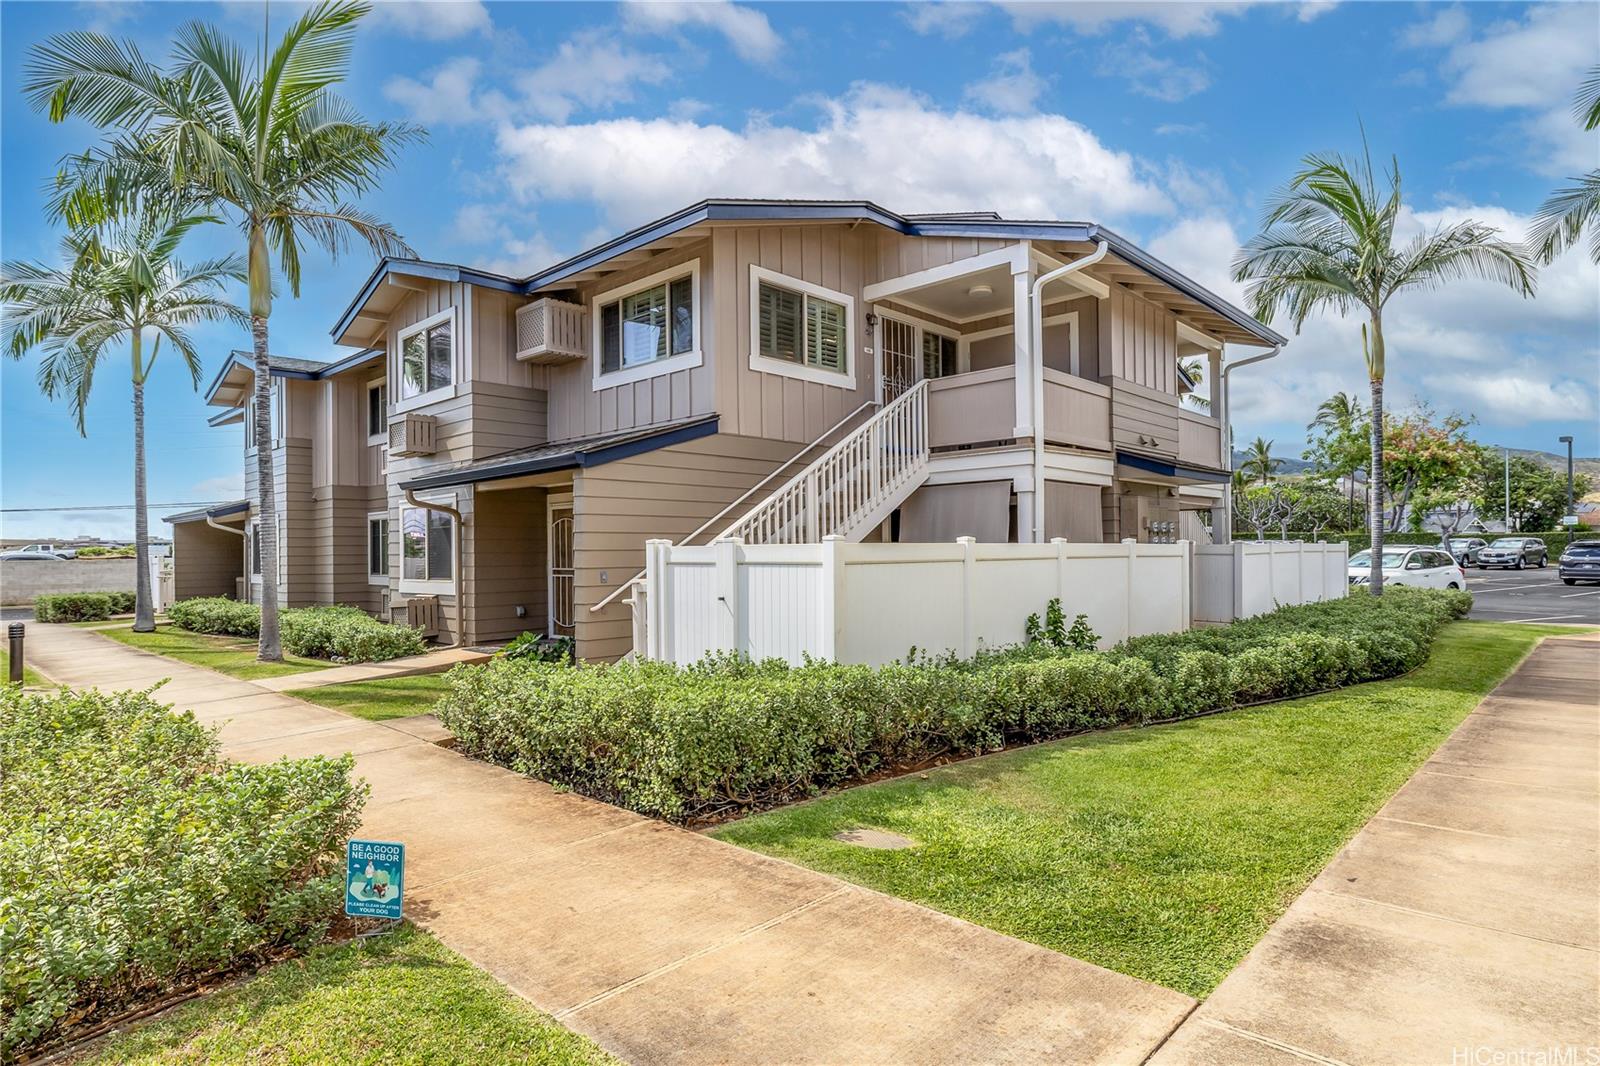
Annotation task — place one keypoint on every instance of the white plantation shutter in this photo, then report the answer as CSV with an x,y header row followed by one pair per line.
x,y
779,312
825,334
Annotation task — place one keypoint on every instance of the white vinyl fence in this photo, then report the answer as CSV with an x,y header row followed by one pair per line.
x,y
873,603
1247,578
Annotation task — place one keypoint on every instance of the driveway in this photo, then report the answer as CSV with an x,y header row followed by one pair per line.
x,y
662,945
1531,596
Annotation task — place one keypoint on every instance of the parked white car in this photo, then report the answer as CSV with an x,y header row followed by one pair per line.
x,y
1428,568
50,549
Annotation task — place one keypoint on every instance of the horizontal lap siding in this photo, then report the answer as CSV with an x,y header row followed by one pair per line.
x,y
665,493
1138,412
205,560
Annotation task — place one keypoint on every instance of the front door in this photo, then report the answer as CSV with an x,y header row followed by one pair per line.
x,y
561,572
899,359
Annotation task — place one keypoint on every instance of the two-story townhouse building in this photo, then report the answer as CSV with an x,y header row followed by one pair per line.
x,y
498,450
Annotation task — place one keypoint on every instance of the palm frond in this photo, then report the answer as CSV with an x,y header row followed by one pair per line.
x,y
1463,250
1563,217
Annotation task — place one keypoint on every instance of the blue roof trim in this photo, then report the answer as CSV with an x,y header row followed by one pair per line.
x,y
976,225
572,459
1188,473
221,510
328,370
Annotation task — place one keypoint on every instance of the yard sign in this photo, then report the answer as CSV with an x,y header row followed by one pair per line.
x,y
374,878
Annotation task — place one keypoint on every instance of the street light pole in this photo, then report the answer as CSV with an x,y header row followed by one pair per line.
x,y
1568,442
1508,489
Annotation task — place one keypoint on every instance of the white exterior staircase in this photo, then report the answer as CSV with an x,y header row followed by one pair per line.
x,y
853,486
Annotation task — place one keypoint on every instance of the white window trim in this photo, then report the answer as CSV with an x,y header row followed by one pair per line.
x,y
280,414
377,579
398,370
383,437
694,357
428,586
555,501
758,362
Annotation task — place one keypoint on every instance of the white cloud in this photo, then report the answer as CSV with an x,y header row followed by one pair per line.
x,y
747,30
1202,247
1012,89
1149,74
1196,19
518,247
591,70
229,486
1514,395
1534,63
448,97
1171,129
947,18
432,20
1038,166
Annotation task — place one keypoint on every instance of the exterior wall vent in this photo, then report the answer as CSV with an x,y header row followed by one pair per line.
x,y
552,331
413,434
422,612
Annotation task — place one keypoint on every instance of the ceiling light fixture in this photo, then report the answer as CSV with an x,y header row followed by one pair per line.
x,y
981,290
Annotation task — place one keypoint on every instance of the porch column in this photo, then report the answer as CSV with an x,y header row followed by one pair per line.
x,y
1022,357
1221,525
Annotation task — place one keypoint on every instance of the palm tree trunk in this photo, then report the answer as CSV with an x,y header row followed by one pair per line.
x,y
144,616
1375,488
269,648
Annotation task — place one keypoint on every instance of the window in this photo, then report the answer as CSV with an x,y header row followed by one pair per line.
x,y
378,548
377,412
255,549
427,356
938,355
249,425
425,545
649,327
800,329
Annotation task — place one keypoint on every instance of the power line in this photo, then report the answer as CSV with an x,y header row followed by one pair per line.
x,y
110,506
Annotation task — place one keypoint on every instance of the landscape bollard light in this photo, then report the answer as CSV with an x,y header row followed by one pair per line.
x,y
17,631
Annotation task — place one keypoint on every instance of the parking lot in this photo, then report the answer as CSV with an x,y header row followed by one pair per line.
x,y
1531,596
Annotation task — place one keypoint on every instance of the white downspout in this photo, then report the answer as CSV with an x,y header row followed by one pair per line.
x,y
1225,428
455,545
1036,343
214,524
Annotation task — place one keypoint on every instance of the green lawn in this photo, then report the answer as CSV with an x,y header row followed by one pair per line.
x,y
403,997
31,678
1163,853
389,697
234,656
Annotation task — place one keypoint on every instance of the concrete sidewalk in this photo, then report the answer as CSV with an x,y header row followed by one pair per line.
x,y
432,662
1463,921
666,946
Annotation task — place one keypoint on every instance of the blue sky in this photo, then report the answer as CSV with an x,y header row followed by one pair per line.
x,y
553,126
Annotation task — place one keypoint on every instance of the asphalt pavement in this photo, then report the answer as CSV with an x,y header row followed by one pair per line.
x,y
1532,596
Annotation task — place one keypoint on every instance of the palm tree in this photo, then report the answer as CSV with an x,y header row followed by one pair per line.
x,y
1568,212
120,283
1259,461
1339,416
263,139
1328,243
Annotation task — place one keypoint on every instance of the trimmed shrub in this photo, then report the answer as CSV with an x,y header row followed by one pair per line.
x,y
100,551
217,615
136,857
122,602
343,634
73,607
728,733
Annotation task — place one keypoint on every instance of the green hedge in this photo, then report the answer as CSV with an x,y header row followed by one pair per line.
x,y
724,734
343,634
1556,542
134,856
81,606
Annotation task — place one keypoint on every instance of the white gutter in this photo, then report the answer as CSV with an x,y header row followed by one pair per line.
x,y
214,524
455,545
1224,427
1036,310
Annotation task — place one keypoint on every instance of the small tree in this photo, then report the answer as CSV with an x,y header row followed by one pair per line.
x,y
1259,463
119,283
1427,458
1538,493
1257,507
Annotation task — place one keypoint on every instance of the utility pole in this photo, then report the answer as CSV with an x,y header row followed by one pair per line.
x,y
1568,442
1508,489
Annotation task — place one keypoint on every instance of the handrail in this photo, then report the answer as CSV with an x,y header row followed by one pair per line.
x,y
634,580
916,394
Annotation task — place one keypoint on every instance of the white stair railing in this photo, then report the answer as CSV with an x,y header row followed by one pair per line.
x,y
852,485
